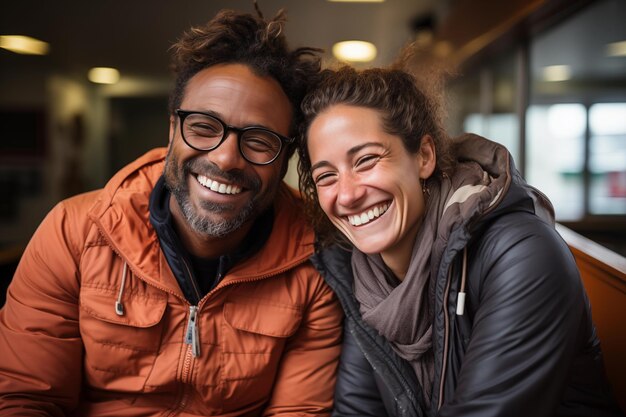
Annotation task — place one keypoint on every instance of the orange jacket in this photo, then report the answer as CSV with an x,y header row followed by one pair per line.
x,y
269,332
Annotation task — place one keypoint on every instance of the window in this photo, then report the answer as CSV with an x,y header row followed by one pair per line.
x,y
576,117
607,158
555,149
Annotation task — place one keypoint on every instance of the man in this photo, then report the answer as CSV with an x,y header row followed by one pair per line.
x,y
184,286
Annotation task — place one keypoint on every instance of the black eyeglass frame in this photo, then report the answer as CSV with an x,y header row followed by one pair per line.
x,y
183,114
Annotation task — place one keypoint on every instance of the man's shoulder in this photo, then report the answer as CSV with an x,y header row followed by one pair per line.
x,y
290,218
133,183
146,169
288,201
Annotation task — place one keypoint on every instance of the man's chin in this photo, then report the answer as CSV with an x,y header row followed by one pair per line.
x,y
218,223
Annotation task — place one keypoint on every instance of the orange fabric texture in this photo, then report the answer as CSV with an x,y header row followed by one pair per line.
x,y
269,332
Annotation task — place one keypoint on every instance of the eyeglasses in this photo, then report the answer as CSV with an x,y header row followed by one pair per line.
x,y
205,132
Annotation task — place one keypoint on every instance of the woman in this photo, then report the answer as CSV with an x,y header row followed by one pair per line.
x,y
460,298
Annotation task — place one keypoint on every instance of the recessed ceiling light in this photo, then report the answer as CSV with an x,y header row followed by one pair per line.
x,y
354,51
103,75
555,73
24,45
616,49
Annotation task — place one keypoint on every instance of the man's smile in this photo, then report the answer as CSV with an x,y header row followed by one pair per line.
x,y
218,187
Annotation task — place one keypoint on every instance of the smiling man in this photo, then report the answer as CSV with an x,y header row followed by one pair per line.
x,y
184,286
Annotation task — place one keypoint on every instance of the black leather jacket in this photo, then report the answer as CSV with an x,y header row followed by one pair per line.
x,y
525,345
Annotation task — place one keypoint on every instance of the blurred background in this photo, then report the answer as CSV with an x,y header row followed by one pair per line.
x,y
547,78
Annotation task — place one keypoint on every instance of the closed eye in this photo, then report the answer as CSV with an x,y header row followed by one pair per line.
x,y
367,161
205,129
325,178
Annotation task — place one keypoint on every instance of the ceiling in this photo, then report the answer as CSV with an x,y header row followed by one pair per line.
x,y
134,35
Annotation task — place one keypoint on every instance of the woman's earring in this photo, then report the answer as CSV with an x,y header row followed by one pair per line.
x,y
425,189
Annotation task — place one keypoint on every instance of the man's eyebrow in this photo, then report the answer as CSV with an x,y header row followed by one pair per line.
x,y
351,152
221,117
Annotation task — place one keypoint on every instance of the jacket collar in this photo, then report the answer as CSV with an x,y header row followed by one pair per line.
x,y
122,216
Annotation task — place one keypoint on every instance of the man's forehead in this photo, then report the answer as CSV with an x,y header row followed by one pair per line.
x,y
236,93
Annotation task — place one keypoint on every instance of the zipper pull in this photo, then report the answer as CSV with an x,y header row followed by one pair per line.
x,y
191,335
460,304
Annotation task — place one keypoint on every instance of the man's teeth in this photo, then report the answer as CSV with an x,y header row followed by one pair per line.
x,y
367,216
218,187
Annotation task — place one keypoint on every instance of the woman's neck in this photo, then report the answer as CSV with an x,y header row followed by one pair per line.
x,y
399,256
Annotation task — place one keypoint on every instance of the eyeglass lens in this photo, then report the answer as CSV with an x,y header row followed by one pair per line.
x,y
205,132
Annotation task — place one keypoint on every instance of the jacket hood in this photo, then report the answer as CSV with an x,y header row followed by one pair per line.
x,y
122,211
501,190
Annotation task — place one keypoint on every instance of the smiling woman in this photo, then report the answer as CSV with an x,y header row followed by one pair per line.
x,y
361,170
460,297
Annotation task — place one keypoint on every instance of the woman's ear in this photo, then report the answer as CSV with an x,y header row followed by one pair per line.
x,y
427,157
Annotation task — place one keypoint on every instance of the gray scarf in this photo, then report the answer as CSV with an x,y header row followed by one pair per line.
x,y
403,313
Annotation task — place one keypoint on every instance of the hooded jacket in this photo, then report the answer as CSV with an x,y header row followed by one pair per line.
x,y
522,343
95,323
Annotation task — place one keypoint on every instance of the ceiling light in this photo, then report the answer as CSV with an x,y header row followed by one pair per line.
x,y
616,49
356,1
555,73
24,45
354,51
103,75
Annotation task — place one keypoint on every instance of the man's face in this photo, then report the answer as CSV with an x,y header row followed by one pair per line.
x,y
218,191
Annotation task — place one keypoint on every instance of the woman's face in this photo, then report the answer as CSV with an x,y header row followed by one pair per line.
x,y
368,184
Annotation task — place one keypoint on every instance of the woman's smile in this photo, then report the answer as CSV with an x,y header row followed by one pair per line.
x,y
368,215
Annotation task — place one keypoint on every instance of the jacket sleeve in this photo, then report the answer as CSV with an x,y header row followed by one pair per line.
x,y
526,327
305,381
356,394
40,346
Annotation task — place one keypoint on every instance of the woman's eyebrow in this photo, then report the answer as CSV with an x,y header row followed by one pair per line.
x,y
350,152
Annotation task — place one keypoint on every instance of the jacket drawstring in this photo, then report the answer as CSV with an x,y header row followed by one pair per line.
x,y
119,307
460,304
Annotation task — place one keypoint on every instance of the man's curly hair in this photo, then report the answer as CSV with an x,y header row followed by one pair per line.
x,y
239,38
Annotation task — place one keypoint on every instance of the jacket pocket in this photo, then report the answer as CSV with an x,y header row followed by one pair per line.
x,y
120,350
255,334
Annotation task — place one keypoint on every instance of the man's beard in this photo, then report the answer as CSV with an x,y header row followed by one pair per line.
x,y
175,180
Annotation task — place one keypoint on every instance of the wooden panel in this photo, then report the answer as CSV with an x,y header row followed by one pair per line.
x,y
471,27
604,275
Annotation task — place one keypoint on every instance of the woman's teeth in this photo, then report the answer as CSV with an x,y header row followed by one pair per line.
x,y
367,216
218,187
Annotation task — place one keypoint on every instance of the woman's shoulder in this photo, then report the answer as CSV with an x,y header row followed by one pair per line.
x,y
511,230
520,244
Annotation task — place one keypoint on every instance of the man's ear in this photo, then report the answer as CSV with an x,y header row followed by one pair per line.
x,y
172,130
427,157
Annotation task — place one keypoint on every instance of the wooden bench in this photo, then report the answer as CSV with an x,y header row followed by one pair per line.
x,y
604,275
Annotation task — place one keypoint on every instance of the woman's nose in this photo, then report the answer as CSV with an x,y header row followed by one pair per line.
x,y
349,190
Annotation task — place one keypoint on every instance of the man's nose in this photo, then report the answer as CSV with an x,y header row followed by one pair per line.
x,y
227,156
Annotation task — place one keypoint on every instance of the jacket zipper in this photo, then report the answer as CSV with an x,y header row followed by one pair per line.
x,y
191,334
192,338
446,320
186,372
192,351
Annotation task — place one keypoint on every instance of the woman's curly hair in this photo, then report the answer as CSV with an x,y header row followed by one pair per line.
x,y
233,37
407,110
